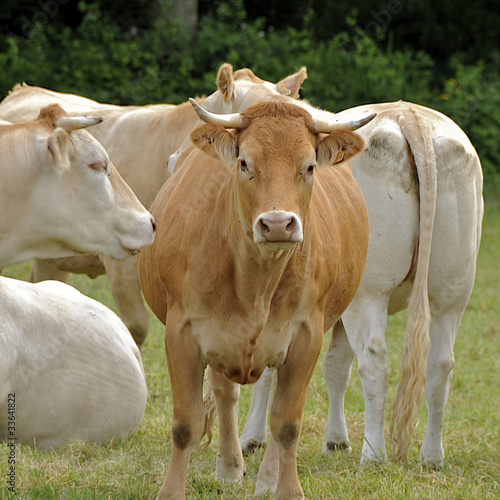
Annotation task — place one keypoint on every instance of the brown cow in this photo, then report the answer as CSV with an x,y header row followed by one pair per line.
x,y
249,268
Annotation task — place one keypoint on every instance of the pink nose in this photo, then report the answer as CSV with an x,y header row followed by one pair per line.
x,y
277,226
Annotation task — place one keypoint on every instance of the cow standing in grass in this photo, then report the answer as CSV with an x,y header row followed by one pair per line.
x,y
261,247
422,183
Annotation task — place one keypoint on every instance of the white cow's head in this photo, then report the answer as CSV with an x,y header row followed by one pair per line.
x,y
67,196
241,89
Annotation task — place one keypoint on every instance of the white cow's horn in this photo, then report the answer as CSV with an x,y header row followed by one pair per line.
x,y
327,126
232,120
70,123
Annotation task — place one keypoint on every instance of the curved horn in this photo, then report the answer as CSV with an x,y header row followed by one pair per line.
x,y
70,123
327,126
232,120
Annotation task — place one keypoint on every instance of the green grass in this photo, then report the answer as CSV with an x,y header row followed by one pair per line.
x,y
136,468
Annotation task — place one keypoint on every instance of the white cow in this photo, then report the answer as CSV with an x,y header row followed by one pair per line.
x,y
61,196
422,183
69,368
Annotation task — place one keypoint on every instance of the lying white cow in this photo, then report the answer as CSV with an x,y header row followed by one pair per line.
x,y
60,195
69,368
422,183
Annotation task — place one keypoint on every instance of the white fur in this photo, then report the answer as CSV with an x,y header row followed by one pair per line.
x,y
71,363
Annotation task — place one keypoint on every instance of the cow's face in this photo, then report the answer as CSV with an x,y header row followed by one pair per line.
x,y
275,151
275,173
91,206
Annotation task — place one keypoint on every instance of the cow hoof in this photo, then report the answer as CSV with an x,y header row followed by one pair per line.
x,y
331,447
229,474
367,463
428,466
264,491
250,446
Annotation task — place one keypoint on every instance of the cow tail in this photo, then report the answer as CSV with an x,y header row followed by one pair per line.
x,y
210,414
413,360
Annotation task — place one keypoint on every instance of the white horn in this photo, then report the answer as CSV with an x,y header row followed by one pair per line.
x,y
70,123
232,120
327,126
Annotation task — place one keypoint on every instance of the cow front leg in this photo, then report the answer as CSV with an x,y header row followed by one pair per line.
x,y
286,414
254,433
43,270
230,467
336,372
186,377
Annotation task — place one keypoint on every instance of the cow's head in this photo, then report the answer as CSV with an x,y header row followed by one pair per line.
x,y
241,89
96,210
275,148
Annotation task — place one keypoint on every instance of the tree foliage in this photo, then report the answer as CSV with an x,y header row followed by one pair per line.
x,y
442,55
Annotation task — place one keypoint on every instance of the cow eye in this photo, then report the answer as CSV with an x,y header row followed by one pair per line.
x,y
309,170
243,166
100,166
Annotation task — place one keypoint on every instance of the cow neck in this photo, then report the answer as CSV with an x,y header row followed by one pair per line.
x,y
257,271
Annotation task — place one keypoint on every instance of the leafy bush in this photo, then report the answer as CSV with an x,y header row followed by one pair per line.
x,y
472,99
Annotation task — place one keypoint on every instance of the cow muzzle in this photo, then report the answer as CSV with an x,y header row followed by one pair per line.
x,y
277,229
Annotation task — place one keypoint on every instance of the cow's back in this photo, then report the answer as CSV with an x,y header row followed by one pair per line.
x,y
386,172
72,364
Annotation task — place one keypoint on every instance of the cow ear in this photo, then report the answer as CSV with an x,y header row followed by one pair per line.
x,y
225,82
58,150
339,146
215,141
291,84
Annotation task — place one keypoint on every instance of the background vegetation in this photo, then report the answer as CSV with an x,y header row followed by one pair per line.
x,y
441,54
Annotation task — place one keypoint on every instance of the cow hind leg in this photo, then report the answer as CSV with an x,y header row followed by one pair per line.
x,y
230,467
443,332
366,330
254,433
336,372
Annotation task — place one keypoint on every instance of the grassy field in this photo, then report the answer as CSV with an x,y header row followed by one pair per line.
x,y
135,469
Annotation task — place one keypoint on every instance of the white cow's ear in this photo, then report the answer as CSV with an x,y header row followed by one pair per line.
x,y
215,141
58,150
291,84
339,146
225,82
